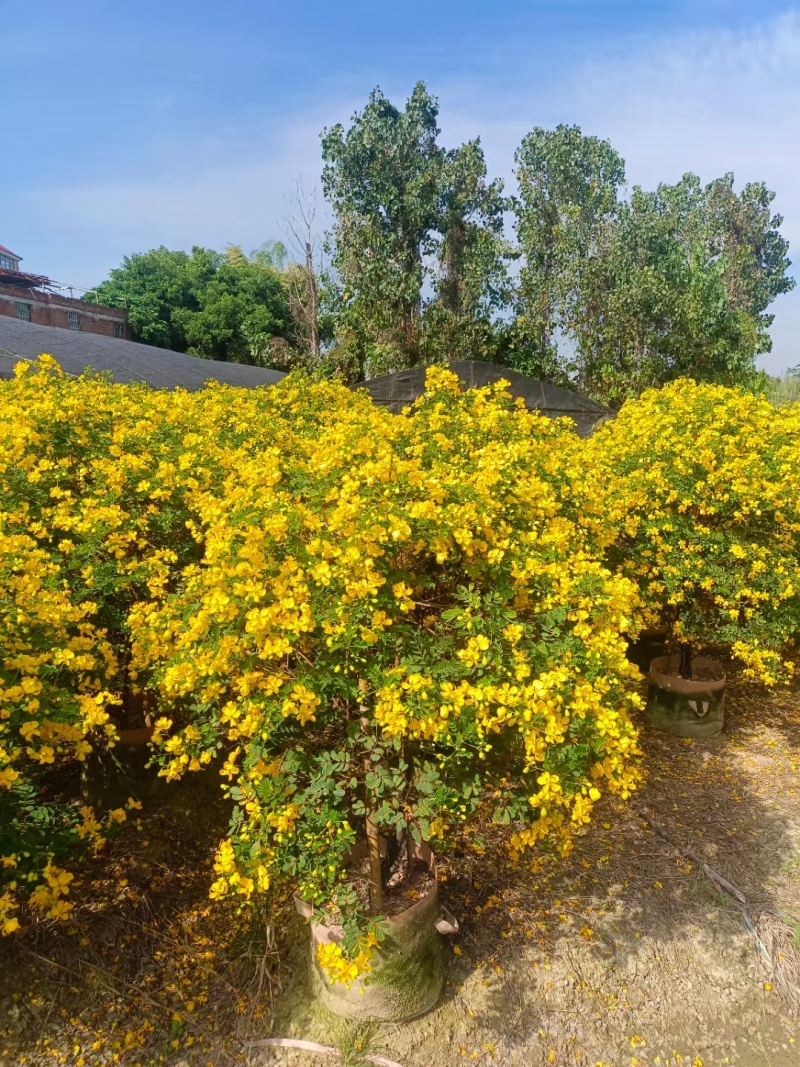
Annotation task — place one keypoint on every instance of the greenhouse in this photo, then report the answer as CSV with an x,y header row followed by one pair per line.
x,y
398,390
126,361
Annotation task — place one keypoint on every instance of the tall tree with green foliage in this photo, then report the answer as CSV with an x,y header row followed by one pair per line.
x,y
568,187
619,294
679,287
470,276
743,230
227,306
652,307
382,178
417,238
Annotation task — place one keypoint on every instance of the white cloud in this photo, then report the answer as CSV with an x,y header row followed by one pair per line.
x,y
708,103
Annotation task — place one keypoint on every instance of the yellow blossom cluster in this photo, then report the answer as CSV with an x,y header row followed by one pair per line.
x,y
350,612
342,969
693,492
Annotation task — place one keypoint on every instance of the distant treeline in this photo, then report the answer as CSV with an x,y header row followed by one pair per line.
x,y
573,277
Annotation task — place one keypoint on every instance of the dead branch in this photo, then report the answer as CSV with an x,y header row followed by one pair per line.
x,y
689,854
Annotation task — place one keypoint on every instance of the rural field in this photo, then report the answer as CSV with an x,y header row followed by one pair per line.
x,y
625,954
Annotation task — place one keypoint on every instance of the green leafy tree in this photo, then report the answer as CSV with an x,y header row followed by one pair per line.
x,y
226,306
154,284
678,287
417,238
567,193
383,179
244,299
471,281
652,305
620,294
744,232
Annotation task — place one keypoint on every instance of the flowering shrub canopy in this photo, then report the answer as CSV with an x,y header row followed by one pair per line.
x,y
694,490
351,613
96,483
428,559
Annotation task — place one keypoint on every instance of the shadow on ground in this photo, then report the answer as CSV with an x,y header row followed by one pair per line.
x,y
146,971
626,953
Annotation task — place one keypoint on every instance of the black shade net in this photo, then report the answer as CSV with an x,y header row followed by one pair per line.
x,y
396,391
161,368
126,360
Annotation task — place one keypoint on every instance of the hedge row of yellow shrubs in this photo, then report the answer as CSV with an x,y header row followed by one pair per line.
x,y
347,611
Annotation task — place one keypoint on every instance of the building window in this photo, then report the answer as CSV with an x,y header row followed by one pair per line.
x,y
23,311
8,263
74,320
119,329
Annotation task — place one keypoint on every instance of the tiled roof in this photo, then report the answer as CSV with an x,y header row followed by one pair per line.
x,y
19,277
126,360
8,252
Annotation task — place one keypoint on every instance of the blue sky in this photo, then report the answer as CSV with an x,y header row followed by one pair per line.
x,y
177,123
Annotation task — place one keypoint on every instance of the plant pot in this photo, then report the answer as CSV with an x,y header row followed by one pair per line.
x,y
687,707
111,775
407,969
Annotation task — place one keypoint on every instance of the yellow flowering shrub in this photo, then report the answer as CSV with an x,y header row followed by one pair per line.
x,y
97,496
96,484
395,615
50,658
356,615
693,492
350,613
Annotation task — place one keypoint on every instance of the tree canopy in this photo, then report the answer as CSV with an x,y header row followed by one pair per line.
x,y
225,306
417,237
620,293
605,288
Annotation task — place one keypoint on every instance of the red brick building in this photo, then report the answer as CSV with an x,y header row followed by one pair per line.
x,y
31,298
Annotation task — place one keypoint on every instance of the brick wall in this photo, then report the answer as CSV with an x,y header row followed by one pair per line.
x,y
50,309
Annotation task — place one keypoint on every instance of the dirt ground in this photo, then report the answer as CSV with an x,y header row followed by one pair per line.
x,y
627,954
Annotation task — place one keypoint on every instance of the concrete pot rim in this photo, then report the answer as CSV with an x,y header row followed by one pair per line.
x,y
324,933
660,674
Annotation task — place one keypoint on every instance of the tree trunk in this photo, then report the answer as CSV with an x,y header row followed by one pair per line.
x,y
373,837
131,713
407,756
312,301
685,669
375,873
